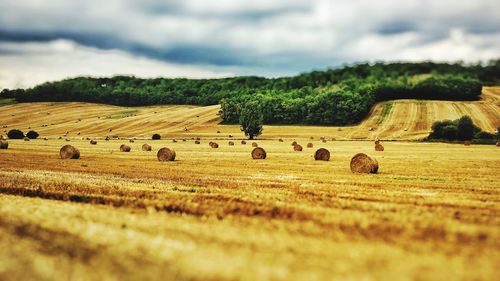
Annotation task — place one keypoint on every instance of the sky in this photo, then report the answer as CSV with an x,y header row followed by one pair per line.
x,y
47,40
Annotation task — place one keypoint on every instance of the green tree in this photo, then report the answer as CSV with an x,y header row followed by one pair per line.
x,y
32,134
465,128
251,119
15,134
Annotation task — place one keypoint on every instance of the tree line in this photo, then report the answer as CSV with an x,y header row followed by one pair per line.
x,y
337,96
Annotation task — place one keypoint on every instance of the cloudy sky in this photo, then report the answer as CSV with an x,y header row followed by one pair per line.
x,y
42,40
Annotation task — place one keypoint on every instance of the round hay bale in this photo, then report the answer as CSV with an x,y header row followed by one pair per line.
x,y
324,140
297,147
198,139
231,143
362,163
131,140
146,147
218,132
379,147
165,154
294,143
26,139
174,140
310,145
93,142
69,152
214,145
183,140
107,139
322,154
197,142
498,144
311,138
124,148
280,140
4,144
68,140
45,138
259,153
467,143
243,142
254,144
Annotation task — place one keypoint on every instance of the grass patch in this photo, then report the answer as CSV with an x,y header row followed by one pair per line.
x,y
4,102
385,111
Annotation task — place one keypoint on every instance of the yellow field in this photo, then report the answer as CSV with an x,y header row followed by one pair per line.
x,y
431,213
406,120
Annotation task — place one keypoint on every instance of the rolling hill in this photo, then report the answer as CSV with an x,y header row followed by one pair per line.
x,y
394,120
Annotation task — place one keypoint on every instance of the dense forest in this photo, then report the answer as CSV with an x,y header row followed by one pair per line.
x,y
337,96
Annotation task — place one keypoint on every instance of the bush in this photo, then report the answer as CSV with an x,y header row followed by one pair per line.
x,y
156,137
15,134
484,135
450,132
32,135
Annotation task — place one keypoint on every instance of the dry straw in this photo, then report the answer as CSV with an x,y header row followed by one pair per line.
x,y
259,153
4,144
124,148
362,163
165,154
69,152
322,154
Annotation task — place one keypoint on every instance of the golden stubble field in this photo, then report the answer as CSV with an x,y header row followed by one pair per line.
x,y
431,213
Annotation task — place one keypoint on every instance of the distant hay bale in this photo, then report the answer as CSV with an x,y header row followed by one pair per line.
x,y
370,129
93,142
68,140
379,147
124,148
131,140
174,140
310,145
231,143
165,154
362,163
69,152
60,138
230,136
297,147
280,140
311,138
324,140
243,142
259,153
294,143
197,142
218,132
214,145
107,139
26,139
498,144
183,140
146,147
4,144
45,138
322,154
254,144
198,139
467,143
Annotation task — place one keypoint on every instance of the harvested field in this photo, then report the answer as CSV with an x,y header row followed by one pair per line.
x,y
431,213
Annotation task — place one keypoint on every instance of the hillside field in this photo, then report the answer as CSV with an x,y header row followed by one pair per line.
x,y
392,120
431,213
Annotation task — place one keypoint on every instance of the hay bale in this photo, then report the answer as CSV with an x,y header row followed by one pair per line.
x,y
310,145
297,147
107,139
183,140
243,142
214,145
26,139
45,138
280,140
362,163
68,140
218,132
254,144
324,140
69,152
498,144
311,138
379,147
294,143
146,147
259,153
197,142
174,140
165,154
4,144
131,140
198,139
231,143
467,143
377,141
124,148
93,142
322,154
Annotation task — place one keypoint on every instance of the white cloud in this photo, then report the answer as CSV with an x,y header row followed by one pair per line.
x,y
28,64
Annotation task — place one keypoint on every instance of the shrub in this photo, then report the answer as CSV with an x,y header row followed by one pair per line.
x,y
465,128
450,132
32,134
15,134
156,137
484,135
